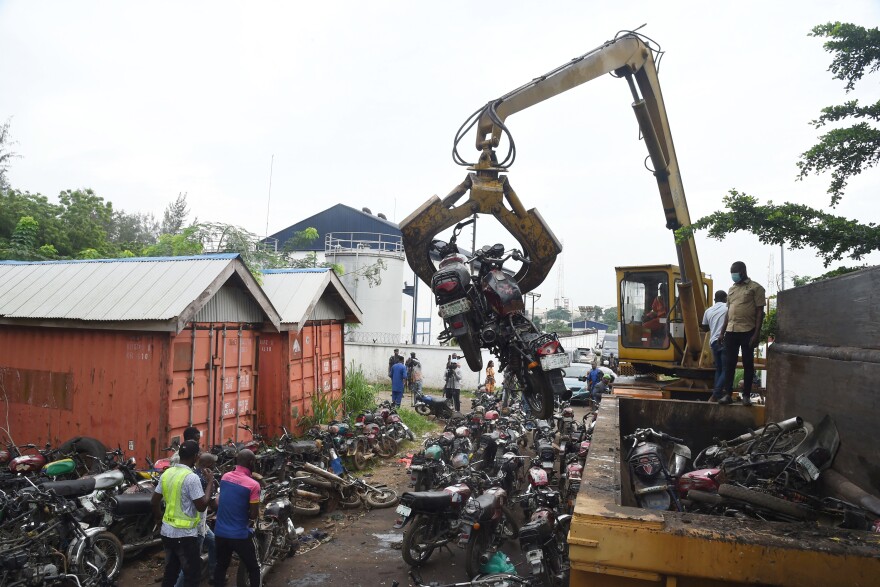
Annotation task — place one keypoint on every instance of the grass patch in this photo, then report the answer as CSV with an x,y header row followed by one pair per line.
x,y
416,422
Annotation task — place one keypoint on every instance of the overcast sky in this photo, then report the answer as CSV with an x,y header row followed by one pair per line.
x,y
359,102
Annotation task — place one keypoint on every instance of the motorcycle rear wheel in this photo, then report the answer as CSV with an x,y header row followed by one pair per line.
x,y
415,549
385,497
471,351
423,410
305,507
765,501
540,399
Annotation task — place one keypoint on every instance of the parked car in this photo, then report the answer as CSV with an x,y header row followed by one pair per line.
x,y
572,376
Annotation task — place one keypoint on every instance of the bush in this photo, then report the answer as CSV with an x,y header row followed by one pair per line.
x,y
359,395
324,409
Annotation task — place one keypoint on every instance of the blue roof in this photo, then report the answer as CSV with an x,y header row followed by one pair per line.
x,y
338,219
126,259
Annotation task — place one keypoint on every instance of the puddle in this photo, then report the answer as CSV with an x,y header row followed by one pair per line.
x,y
310,580
386,540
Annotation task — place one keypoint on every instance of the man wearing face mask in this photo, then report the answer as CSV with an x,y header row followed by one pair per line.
x,y
742,329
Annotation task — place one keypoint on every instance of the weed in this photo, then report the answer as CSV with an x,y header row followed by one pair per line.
x,y
358,395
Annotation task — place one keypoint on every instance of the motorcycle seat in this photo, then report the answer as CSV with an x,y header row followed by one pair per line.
x,y
536,532
427,501
302,447
132,504
74,488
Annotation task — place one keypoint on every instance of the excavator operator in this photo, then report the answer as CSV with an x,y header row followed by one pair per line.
x,y
655,318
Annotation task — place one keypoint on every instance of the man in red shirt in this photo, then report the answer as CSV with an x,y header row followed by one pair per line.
x,y
238,505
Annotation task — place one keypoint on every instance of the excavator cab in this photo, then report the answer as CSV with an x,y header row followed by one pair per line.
x,y
652,335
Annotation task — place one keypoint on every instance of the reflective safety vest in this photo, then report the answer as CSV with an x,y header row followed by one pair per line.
x,y
172,490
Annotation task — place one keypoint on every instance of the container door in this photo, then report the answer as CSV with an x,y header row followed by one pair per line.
x,y
233,389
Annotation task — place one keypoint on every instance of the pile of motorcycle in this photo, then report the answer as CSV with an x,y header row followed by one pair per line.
x,y
770,474
495,475
72,513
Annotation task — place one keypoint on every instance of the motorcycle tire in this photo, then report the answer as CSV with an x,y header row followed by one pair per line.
x,y
423,410
386,447
704,497
350,499
414,549
766,501
511,526
359,459
305,507
90,451
102,560
471,351
540,401
476,547
314,481
384,498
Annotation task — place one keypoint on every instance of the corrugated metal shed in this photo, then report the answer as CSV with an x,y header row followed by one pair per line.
x,y
149,293
304,294
338,219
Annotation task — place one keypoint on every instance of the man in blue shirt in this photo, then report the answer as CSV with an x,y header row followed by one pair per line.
x,y
238,507
594,376
398,378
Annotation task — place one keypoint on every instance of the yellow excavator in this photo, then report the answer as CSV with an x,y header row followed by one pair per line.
x,y
660,306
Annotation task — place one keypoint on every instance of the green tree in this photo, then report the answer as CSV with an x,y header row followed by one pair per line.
x,y
175,215
15,204
5,154
176,245
609,317
86,218
846,150
133,232
559,314
22,244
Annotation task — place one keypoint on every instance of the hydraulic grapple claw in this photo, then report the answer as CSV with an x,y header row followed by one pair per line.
x,y
487,195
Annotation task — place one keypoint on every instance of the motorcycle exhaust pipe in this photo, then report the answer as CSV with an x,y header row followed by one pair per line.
x,y
140,545
783,426
319,471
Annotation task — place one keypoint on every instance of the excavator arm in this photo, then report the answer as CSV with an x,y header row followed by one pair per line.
x,y
628,57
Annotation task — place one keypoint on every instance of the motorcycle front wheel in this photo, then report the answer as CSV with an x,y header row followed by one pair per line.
x,y
359,459
423,410
386,447
477,546
102,560
384,497
415,548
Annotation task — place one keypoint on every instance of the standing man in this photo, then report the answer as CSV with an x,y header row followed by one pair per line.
x,y
453,382
594,376
742,329
204,467
238,507
184,499
189,433
412,360
416,375
392,360
713,321
398,378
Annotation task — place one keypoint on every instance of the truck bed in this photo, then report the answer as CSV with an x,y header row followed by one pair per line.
x,y
615,543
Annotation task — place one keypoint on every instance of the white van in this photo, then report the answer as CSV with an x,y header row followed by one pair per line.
x,y
609,345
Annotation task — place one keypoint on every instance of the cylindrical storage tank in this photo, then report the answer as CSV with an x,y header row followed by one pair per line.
x,y
381,304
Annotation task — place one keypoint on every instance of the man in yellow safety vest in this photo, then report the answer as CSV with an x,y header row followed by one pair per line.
x,y
184,499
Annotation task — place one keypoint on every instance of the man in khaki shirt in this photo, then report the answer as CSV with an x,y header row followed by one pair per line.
x,y
742,329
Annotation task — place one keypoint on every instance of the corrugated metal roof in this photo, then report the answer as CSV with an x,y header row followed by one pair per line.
x,y
117,290
296,293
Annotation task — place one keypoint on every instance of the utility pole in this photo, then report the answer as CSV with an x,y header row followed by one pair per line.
x,y
533,295
782,265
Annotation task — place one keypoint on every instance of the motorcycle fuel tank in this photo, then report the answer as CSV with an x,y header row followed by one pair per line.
x,y
503,293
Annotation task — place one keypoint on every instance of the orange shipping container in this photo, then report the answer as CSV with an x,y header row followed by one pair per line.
x,y
85,350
